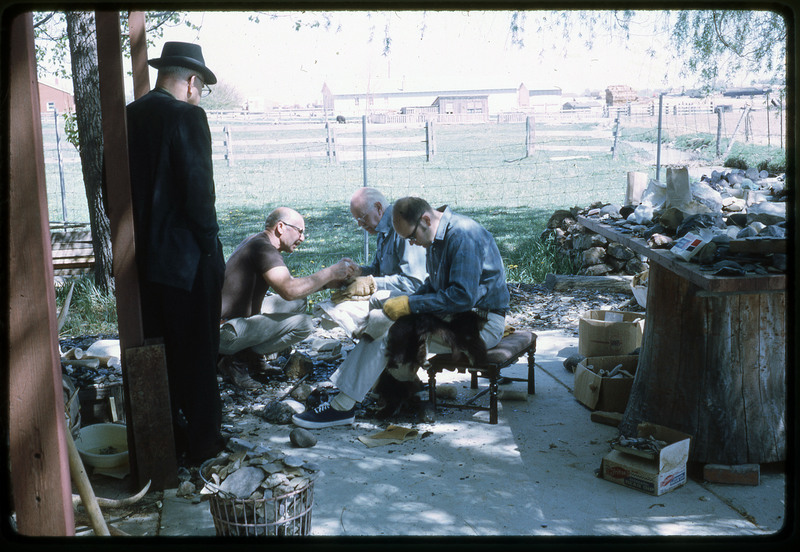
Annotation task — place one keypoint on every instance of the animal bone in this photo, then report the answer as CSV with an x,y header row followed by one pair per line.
x,y
114,503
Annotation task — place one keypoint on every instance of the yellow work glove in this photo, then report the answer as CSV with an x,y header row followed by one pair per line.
x,y
360,287
395,307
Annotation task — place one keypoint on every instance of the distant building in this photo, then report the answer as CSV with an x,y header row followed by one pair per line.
x,y
53,98
620,94
480,101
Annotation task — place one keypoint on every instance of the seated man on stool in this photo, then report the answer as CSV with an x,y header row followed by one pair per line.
x,y
465,273
253,325
398,266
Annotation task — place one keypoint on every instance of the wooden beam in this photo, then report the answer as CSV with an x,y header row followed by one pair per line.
x,y
141,73
39,460
150,439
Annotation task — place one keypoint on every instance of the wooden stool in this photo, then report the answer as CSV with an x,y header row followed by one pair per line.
x,y
504,354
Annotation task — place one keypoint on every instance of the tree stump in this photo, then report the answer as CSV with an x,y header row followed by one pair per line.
x,y
713,366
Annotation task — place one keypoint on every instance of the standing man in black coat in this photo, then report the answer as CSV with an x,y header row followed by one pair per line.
x,y
178,252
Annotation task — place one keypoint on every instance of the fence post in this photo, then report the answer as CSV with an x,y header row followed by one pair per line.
x,y
228,145
60,169
530,133
616,135
658,140
718,111
735,130
364,154
330,143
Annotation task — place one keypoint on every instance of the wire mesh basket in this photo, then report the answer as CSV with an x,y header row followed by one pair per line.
x,y
285,515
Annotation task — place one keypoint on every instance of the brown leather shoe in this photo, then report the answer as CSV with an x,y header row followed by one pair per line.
x,y
235,371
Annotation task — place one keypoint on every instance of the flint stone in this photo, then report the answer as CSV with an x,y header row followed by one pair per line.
x,y
557,219
671,218
277,413
619,251
612,210
322,345
586,241
243,482
186,488
237,445
296,406
592,256
706,253
299,365
773,231
302,392
657,241
738,219
733,204
302,438
572,362
596,270
779,261
615,264
746,232
635,265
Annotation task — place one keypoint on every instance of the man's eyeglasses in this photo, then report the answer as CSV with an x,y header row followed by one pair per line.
x,y
300,231
413,234
204,88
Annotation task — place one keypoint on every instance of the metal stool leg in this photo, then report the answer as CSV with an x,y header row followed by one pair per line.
x,y
493,397
432,387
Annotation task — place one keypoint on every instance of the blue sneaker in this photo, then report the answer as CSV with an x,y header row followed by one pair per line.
x,y
324,416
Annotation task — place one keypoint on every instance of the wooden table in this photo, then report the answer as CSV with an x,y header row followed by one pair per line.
x,y
713,357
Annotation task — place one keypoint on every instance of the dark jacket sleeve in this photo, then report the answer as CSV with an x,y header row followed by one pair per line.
x,y
191,159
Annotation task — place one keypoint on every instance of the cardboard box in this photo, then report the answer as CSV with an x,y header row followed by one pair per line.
x,y
652,473
599,393
609,333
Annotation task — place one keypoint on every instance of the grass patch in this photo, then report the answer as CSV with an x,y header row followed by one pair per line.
x,y
91,311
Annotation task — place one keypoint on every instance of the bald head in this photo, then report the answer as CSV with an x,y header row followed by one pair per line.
x,y
282,214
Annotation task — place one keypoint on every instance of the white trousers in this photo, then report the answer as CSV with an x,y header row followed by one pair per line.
x,y
366,362
281,324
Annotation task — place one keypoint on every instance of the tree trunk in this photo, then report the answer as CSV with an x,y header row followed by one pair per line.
x,y
85,79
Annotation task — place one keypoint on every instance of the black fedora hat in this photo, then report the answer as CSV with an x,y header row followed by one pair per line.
x,y
183,54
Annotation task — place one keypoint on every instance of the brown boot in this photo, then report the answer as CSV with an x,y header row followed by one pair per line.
x,y
235,371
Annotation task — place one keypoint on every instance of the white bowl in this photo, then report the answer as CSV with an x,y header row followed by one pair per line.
x,y
103,445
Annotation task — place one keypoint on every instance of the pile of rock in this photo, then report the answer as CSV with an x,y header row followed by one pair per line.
x,y
593,253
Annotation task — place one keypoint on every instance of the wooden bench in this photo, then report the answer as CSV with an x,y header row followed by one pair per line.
x,y
73,253
503,355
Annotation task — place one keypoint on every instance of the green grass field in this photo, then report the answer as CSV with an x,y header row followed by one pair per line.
x,y
480,170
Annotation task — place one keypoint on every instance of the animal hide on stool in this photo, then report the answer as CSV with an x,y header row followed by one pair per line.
x,y
406,345
406,340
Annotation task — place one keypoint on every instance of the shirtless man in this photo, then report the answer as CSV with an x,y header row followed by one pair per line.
x,y
253,324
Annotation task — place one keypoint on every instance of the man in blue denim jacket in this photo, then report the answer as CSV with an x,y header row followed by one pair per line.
x,y
465,273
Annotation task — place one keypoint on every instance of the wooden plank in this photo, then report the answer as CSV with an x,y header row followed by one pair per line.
x,y
146,439
38,457
612,284
690,271
147,393
758,245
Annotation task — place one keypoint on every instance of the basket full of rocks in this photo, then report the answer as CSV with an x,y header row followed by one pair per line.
x,y
260,494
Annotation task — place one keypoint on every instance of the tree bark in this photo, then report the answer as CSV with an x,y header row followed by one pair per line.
x,y
85,78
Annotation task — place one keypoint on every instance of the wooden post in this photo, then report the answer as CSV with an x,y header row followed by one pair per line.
x,y
141,73
38,456
530,133
149,417
718,111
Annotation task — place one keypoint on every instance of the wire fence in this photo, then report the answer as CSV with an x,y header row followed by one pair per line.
x,y
555,159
